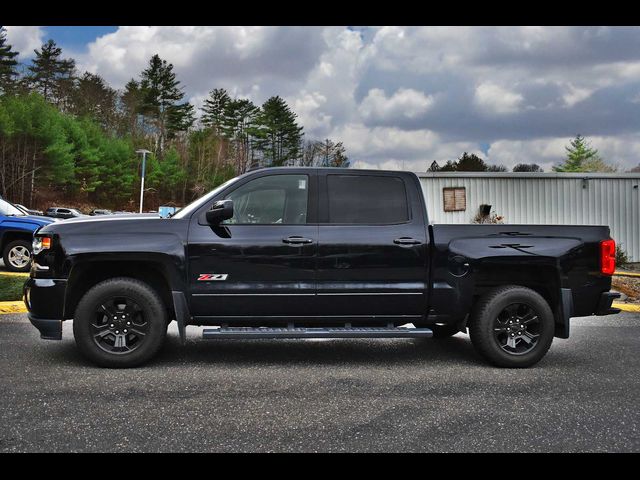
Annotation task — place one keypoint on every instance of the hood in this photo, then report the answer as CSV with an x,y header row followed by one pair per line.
x,y
105,223
36,219
108,218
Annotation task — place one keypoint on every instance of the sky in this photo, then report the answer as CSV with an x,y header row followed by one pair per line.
x,y
400,97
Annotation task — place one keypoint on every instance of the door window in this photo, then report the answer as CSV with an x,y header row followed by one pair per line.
x,y
366,199
276,199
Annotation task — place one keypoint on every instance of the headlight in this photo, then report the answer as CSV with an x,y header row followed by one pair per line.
x,y
41,243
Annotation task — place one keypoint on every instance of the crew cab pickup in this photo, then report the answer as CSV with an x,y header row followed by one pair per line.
x,y
315,252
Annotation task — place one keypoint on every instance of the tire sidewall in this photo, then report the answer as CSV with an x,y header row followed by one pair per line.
x,y
153,311
484,326
8,248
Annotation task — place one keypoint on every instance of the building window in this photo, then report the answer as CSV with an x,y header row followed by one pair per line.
x,y
455,199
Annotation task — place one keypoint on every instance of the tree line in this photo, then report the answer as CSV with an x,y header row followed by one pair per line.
x,y
579,157
71,136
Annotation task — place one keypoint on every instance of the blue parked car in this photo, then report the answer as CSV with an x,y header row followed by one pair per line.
x,y
16,236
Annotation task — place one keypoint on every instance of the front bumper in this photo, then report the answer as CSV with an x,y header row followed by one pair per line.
x,y
604,304
44,298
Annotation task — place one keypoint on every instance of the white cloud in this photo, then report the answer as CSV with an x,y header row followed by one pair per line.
x,y
493,98
309,107
401,97
575,95
25,39
237,58
405,102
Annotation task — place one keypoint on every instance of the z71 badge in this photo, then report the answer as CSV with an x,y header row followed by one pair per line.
x,y
211,277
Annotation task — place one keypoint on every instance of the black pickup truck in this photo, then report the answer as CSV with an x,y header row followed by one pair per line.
x,y
315,252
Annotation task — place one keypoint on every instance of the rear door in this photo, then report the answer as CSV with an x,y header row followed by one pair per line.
x,y
261,262
372,252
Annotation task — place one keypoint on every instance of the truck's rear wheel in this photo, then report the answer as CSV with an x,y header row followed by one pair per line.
x,y
512,326
17,256
120,322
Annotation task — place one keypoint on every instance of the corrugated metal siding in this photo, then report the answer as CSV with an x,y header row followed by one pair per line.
x,y
545,199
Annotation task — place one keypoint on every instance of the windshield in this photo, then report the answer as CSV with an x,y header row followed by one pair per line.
x,y
189,209
8,209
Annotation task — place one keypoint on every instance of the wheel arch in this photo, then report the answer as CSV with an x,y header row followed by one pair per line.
x,y
9,236
544,279
84,275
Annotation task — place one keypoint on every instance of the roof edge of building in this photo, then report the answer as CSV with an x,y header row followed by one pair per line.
x,y
579,175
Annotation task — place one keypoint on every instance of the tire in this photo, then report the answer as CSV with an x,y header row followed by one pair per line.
x,y
13,256
516,312
443,331
100,326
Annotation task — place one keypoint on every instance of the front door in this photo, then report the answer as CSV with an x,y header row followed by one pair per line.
x,y
261,262
372,254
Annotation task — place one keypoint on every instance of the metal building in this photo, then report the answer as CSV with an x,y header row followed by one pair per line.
x,y
611,199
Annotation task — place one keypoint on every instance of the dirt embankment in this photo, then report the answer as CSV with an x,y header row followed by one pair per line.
x,y
630,286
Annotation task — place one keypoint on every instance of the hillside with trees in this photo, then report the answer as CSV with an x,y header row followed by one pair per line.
x,y
68,137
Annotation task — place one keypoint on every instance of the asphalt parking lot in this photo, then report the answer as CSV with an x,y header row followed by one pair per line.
x,y
333,395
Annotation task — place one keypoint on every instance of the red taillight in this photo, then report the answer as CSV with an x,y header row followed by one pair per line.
x,y
607,257
46,243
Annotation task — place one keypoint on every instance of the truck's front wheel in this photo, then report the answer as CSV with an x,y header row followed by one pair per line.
x,y
512,326
120,322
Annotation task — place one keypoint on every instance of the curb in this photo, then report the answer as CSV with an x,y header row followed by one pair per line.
x,y
626,274
14,274
627,307
12,307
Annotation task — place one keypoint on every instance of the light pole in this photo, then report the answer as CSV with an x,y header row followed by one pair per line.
x,y
144,163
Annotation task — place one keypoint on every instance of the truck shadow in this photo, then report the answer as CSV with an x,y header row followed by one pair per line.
x,y
455,350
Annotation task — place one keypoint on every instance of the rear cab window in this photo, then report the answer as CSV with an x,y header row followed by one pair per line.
x,y
366,199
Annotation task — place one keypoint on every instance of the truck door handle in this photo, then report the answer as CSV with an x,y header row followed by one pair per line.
x,y
406,241
296,240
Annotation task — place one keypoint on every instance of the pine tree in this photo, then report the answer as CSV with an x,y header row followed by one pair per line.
x,y
65,85
94,98
278,135
527,167
161,94
582,158
239,124
213,110
51,75
7,64
181,118
434,167
471,163
131,105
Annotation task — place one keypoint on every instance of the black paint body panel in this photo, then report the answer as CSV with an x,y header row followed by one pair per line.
x,y
358,274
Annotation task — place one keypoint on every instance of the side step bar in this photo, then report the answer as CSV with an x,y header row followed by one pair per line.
x,y
300,332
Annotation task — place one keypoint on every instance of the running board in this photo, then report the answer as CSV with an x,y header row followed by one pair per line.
x,y
300,332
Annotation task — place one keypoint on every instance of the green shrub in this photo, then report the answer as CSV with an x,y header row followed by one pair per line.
x,y
621,256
